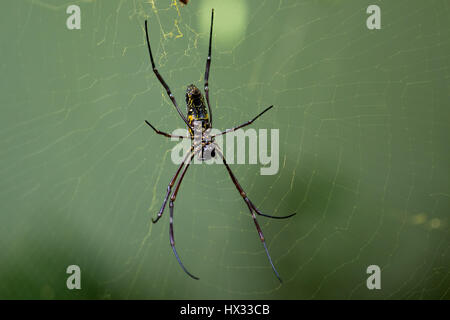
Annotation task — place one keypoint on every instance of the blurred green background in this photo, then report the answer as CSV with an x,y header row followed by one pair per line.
x,y
364,159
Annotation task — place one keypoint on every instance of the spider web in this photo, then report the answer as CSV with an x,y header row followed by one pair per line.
x,y
363,118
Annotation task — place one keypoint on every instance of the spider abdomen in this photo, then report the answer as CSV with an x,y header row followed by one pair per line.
x,y
196,108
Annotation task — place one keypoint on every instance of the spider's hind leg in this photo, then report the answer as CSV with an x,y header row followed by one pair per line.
x,y
169,187
269,216
171,206
252,210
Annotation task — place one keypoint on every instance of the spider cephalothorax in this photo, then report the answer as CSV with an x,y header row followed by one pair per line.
x,y
199,121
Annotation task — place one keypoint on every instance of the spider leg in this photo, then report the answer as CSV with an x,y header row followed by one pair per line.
x,y
160,78
251,208
208,65
244,124
171,204
169,187
165,134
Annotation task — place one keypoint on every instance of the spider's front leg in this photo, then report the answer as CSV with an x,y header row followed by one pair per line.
x,y
161,80
208,66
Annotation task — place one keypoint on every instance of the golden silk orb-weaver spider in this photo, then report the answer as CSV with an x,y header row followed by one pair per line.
x,y
199,116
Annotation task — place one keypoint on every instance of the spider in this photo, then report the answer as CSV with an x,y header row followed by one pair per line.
x,y
199,119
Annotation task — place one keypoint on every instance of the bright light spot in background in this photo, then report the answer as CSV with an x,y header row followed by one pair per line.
x,y
435,223
419,218
230,21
